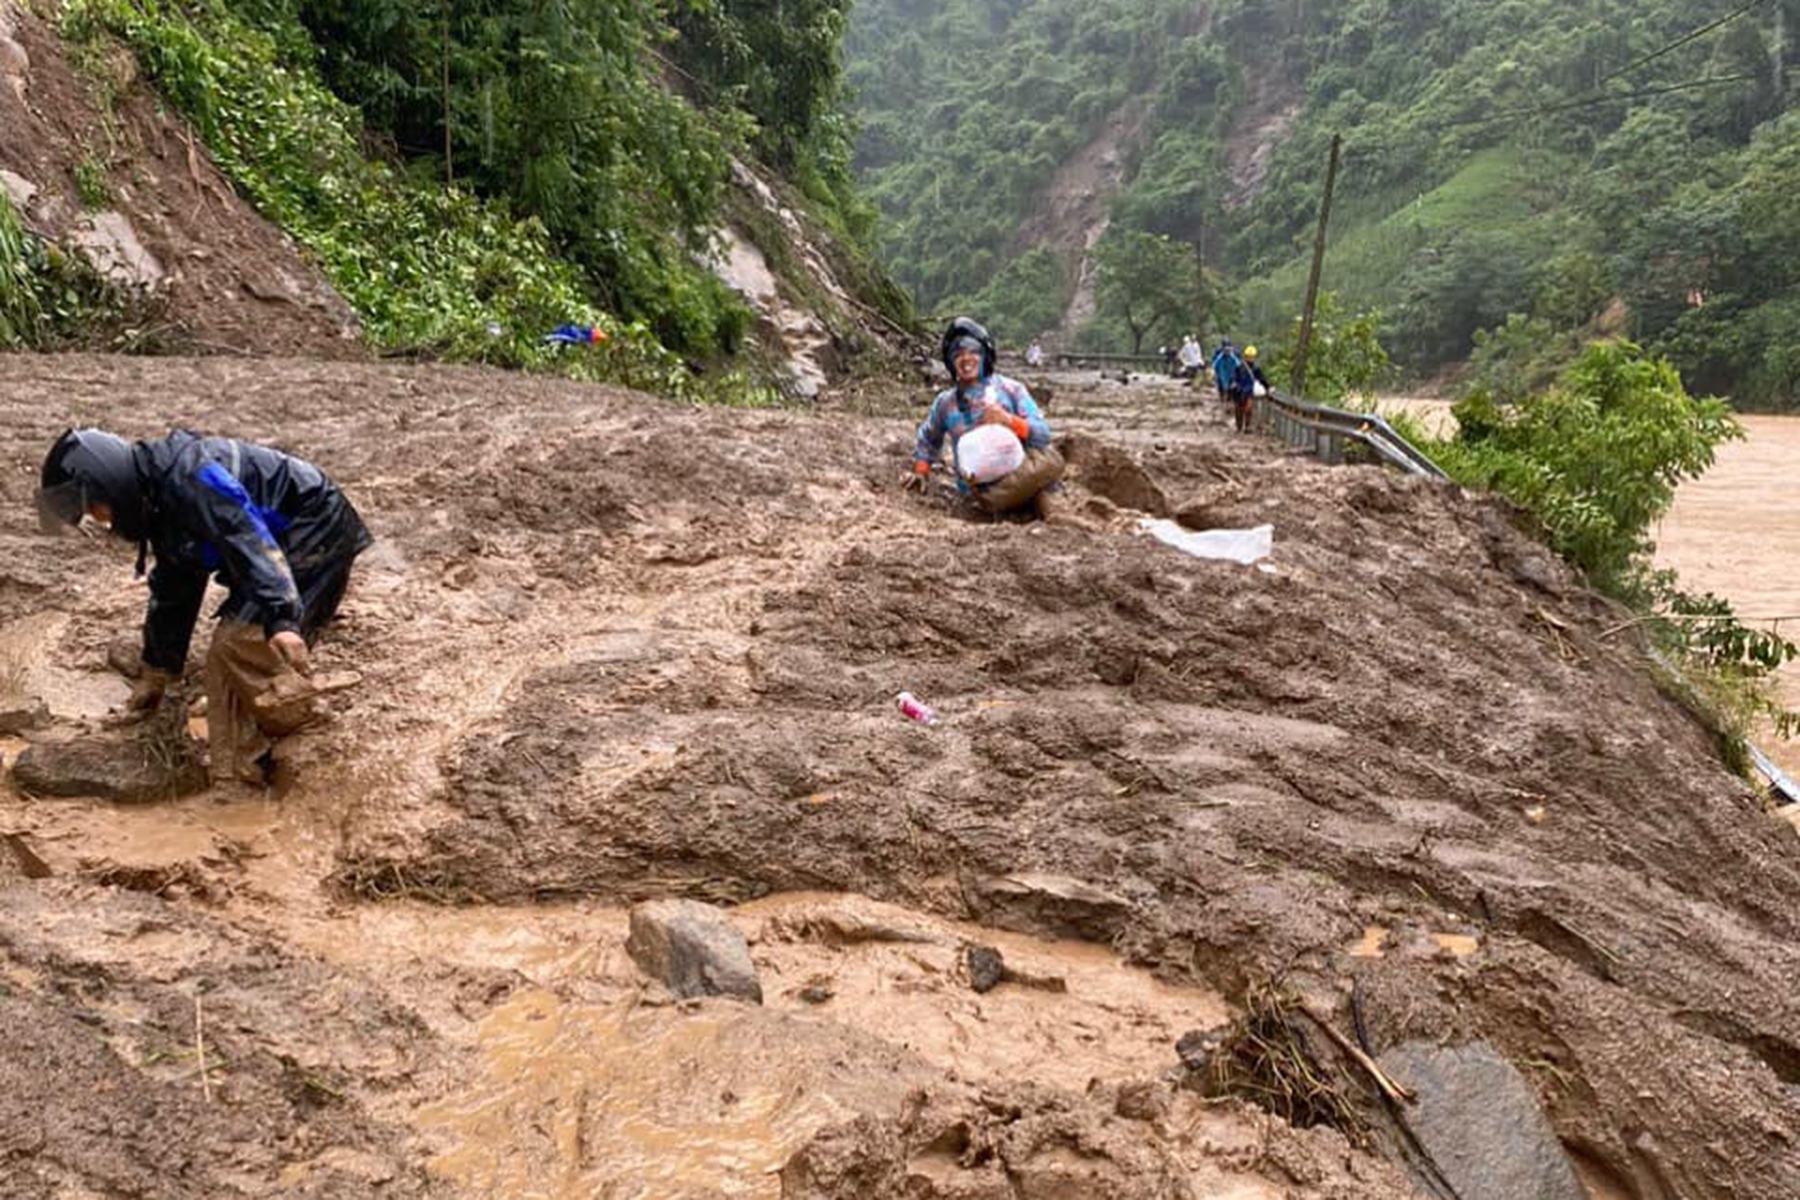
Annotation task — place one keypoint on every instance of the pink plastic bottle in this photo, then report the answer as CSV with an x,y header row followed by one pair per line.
x,y
913,707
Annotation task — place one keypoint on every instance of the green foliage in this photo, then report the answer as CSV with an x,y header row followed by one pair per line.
x,y
1596,458
49,299
777,61
1148,282
91,185
1344,359
427,268
1021,301
1473,187
554,111
21,305
1517,358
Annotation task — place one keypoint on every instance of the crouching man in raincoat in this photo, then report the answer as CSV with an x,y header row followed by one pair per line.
x,y
280,536
979,396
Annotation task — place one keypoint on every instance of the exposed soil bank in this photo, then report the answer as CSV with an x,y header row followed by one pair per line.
x,y
613,648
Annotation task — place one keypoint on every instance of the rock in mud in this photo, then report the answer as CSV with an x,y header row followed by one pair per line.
x,y
20,714
1480,1124
986,967
1196,1047
124,770
692,949
1111,472
126,657
1031,902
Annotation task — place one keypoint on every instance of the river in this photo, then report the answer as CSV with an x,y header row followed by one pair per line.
x,y
1735,531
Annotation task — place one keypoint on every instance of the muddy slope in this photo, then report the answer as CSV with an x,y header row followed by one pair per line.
x,y
613,649
213,276
153,1046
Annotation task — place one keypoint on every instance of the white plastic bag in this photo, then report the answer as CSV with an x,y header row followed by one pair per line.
x,y
1233,545
989,452
1259,389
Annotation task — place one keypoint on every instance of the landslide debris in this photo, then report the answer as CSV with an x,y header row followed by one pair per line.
x,y
614,649
152,1050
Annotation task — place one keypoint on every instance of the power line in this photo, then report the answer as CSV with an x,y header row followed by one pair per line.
x,y
1591,100
1596,95
1679,42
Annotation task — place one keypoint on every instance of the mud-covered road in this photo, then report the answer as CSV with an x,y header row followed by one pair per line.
x,y
613,648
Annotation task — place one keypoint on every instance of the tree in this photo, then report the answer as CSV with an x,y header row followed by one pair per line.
x,y
1345,358
1597,457
1147,281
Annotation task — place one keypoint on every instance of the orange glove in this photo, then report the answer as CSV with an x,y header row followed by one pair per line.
x,y
1021,428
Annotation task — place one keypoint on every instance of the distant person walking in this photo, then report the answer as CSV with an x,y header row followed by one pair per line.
x,y
1034,354
1247,383
1190,356
1225,363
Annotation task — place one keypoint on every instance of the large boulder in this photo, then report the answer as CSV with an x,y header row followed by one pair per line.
x,y
1480,1124
692,949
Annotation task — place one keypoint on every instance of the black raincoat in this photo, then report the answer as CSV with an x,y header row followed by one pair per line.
x,y
277,532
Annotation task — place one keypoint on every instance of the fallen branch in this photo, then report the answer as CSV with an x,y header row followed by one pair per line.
x,y
200,1046
1389,1086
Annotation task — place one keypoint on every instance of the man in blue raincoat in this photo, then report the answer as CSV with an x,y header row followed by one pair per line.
x,y
275,531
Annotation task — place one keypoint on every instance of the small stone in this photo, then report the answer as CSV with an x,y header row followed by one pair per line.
x,y
1196,1047
1535,814
986,967
125,657
1142,1101
816,993
693,949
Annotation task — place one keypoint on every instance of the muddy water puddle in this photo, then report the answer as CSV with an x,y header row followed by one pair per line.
x,y
589,1084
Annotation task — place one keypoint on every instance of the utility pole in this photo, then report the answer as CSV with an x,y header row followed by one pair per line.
x,y
1200,282
444,79
1312,280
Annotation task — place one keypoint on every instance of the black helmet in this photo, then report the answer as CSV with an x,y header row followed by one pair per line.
x,y
88,467
954,333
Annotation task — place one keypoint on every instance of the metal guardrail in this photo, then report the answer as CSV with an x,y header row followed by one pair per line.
x,y
1327,432
1073,358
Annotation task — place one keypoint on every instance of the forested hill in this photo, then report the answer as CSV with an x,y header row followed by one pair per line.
x,y
1562,165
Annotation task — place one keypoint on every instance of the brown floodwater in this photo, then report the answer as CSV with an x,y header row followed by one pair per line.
x,y
588,1086
1736,532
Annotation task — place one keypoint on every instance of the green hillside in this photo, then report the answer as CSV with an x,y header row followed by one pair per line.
x,y
1559,161
469,175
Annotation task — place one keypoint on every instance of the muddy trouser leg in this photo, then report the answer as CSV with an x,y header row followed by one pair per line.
x,y
1240,410
241,668
1040,469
